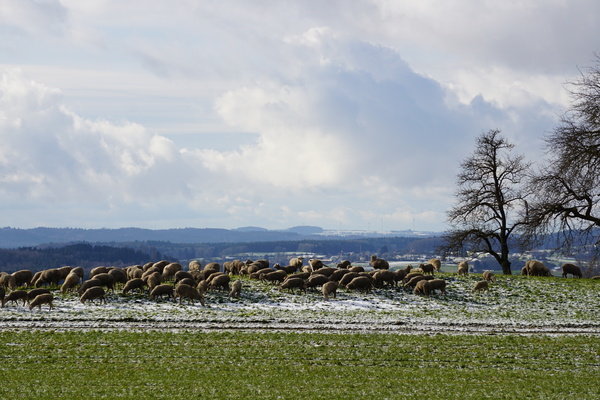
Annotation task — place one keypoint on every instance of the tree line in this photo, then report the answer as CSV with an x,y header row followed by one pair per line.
x,y
504,202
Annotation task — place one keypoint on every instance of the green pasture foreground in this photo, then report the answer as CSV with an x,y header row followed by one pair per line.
x,y
272,365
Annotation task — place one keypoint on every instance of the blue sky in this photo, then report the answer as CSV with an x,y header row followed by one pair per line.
x,y
351,115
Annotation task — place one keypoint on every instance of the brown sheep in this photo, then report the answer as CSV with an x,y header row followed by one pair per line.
x,y
437,284
202,287
107,280
35,292
360,283
44,298
316,280
327,271
153,280
422,287
179,275
169,271
98,270
316,264
88,284
162,290
536,268
415,279
23,277
337,275
572,269
346,279
463,268
329,288
293,283
236,289
289,269
480,286
119,275
437,264
135,283
183,290
427,268
297,262
50,277
379,263
79,272
95,292
70,282
134,271
346,264
384,276
275,276
195,265
411,275
221,281
488,276
64,271
7,281
15,296
524,271
356,268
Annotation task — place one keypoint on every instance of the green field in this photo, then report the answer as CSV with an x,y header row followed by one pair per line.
x,y
186,364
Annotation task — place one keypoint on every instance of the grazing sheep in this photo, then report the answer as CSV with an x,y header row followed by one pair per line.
x,y
187,281
35,292
327,271
356,268
437,284
88,284
289,269
329,288
337,275
275,276
480,286
135,283
195,265
107,280
437,264
524,271
379,263
292,283
202,287
316,264
221,281
346,264
64,271
488,276
169,271
422,287
236,289
7,281
427,268
411,275
15,296
161,265
153,280
316,280
119,275
50,277
44,298
346,279
179,275
384,276
79,272
161,290
95,292
189,292
98,270
22,277
463,268
360,283
415,279
572,269
537,268
297,262
70,282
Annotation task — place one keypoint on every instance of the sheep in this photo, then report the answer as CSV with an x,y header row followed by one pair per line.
x,y
275,276
292,283
422,287
572,269
49,276
107,280
135,283
161,290
289,269
316,280
297,262
236,289
22,277
183,290
95,292
415,279
79,272
7,281
119,275
161,265
437,264
44,298
187,281
169,270
327,271
480,286
346,279
463,268
437,284
346,264
195,265
536,268
70,282
316,264
356,268
329,288
221,281
64,271
179,275
384,276
379,263
88,284
35,292
15,296
337,275
98,270
488,276
153,280
427,268
411,275
360,283
202,287
524,271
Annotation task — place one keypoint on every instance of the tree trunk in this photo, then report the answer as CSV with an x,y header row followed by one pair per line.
x,y
506,267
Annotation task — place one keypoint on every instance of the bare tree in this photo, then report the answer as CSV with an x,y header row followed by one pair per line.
x,y
567,201
491,203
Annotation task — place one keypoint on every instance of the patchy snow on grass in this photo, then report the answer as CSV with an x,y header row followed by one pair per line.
x,y
513,304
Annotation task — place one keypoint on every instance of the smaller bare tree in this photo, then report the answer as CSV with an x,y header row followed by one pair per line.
x,y
491,202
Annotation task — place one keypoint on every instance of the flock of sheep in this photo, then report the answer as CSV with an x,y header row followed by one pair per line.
x,y
169,279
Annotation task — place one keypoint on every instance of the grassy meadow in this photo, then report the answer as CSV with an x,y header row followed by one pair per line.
x,y
274,365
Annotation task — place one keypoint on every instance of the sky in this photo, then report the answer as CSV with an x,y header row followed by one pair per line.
x,y
271,113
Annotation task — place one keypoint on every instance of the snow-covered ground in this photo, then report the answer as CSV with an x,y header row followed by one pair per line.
x,y
513,304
